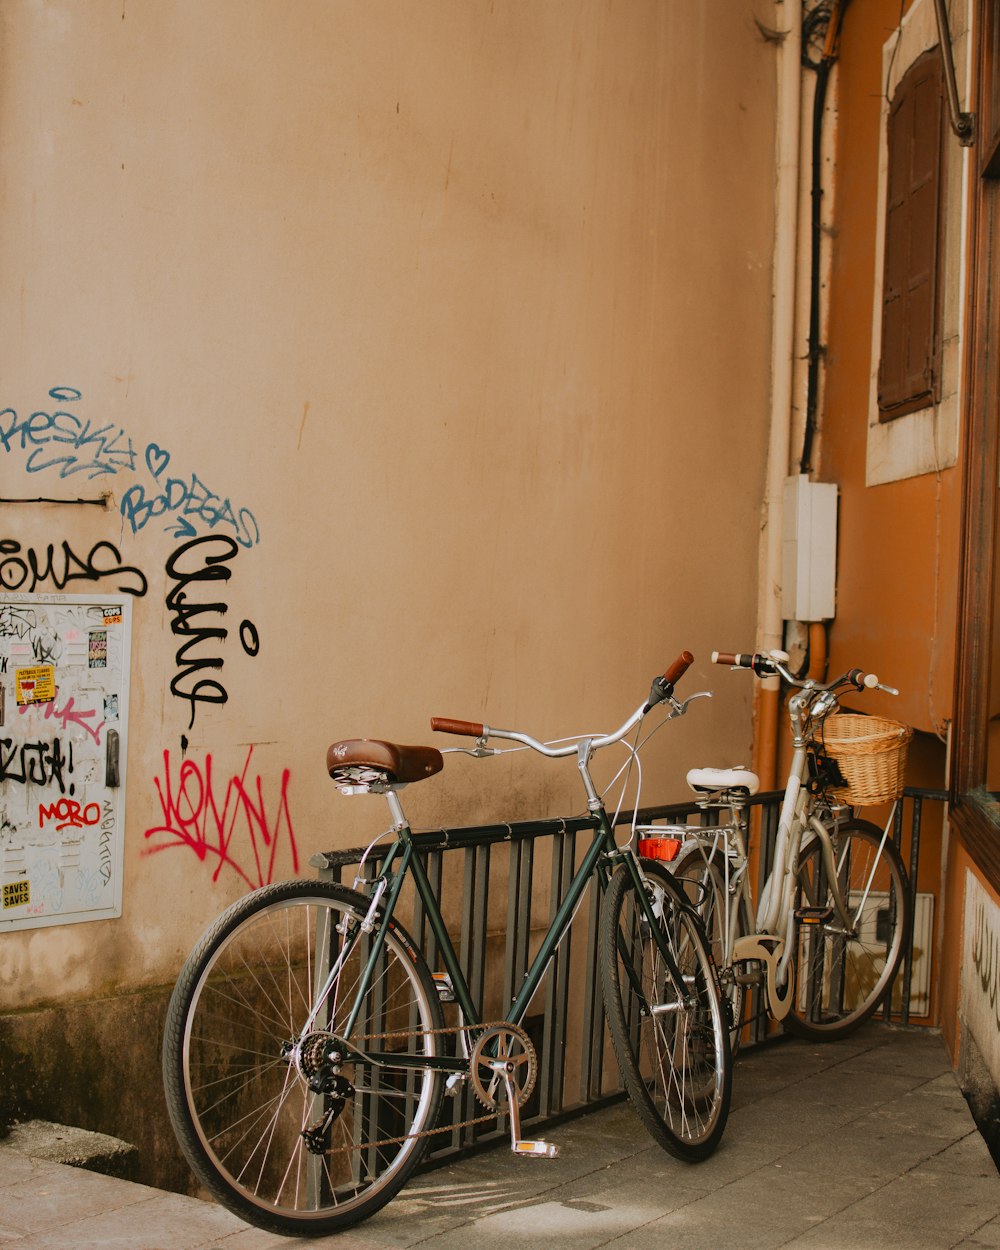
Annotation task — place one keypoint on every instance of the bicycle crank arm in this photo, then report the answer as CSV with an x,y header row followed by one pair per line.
x,y
518,1144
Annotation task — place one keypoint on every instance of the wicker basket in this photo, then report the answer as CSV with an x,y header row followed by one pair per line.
x,y
871,754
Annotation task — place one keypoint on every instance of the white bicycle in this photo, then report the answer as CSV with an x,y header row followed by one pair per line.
x,y
830,927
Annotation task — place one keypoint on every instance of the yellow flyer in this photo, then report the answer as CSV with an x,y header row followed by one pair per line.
x,y
36,684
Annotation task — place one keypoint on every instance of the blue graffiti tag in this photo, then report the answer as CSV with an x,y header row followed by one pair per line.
x,y
59,439
64,441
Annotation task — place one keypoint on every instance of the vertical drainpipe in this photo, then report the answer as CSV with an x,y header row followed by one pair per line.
x,y
769,619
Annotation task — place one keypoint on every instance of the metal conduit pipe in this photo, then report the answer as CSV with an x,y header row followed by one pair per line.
x,y
769,619
817,651
963,124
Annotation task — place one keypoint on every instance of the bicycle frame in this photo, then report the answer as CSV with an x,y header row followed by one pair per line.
x,y
402,859
772,942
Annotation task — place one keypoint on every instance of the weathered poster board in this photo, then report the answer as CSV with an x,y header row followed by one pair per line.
x,y
64,686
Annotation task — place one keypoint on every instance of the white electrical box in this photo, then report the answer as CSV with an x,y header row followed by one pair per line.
x,y
64,693
809,550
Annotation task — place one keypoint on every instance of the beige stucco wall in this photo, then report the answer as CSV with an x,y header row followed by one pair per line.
x,y
463,305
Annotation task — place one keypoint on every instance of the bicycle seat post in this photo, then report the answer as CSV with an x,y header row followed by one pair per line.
x,y
399,820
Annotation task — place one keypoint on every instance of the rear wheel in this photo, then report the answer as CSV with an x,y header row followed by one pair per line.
x,y
301,1127
672,1048
699,869
843,972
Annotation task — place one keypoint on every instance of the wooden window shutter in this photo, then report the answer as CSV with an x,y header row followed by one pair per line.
x,y
909,369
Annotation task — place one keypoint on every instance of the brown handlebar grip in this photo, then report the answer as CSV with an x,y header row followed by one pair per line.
x,y
679,667
445,725
761,664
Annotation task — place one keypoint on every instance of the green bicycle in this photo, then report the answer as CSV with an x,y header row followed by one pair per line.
x,y
306,1053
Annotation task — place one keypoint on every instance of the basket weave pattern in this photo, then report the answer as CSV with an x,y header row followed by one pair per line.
x,y
871,754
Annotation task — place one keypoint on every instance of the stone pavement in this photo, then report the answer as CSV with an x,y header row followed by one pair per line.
x,y
854,1145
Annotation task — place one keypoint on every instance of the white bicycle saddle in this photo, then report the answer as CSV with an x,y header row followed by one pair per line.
x,y
723,779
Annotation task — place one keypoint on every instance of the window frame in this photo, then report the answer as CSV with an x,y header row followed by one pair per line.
x,y
925,440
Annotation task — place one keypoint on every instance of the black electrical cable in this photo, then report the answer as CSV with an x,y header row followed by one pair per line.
x,y
816,28
816,192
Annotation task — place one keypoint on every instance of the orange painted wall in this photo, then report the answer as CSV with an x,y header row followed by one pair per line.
x,y
898,543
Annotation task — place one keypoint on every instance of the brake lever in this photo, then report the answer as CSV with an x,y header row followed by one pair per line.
x,y
477,752
871,682
679,709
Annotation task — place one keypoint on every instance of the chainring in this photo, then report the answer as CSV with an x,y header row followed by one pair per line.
x,y
508,1045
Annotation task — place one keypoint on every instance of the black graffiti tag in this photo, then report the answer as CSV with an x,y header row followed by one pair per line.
x,y
204,559
17,622
26,569
38,763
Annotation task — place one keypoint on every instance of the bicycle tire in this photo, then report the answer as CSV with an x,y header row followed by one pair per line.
x,y
706,892
841,979
674,1059
238,1091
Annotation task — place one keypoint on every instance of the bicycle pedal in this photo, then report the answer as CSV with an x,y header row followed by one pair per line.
x,y
749,978
536,1149
814,915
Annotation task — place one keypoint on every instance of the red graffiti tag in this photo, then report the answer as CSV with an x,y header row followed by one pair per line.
x,y
69,813
238,834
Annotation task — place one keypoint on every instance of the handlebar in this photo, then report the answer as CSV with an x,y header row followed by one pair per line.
x,y
662,690
773,664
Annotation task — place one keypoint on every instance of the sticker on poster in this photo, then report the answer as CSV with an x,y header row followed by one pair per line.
x,y
16,894
36,684
97,651
112,616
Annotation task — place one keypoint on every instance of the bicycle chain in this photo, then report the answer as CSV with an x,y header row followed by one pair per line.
x,y
429,1132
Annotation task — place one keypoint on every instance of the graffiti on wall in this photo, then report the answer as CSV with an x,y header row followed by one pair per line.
x,y
193,570
27,570
65,441
47,762
69,714
227,820
64,661
62,439
226,823
186,501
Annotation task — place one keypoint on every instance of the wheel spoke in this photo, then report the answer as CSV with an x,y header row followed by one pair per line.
x,y
674,1055
842,975
288,1129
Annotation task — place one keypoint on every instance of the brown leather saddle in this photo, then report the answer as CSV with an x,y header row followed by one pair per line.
x,y
398,764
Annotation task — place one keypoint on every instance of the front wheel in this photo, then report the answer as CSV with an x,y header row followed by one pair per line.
x,y
298,1119
672,1042
843,971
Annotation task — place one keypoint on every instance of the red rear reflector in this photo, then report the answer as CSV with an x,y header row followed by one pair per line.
x,y
659,848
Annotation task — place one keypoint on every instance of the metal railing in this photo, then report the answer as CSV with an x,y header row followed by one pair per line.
x,y
509,881
501,885
912,804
